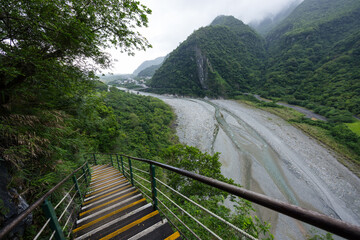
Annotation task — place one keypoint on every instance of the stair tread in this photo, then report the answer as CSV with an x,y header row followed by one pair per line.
x,y
141,226
118,211
162,232
106,230
105,205
101,220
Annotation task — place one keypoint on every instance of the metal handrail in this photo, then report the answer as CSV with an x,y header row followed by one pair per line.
x,y
332,225
30,209
242,232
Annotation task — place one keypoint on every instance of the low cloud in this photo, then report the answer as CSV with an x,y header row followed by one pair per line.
x,y
173,21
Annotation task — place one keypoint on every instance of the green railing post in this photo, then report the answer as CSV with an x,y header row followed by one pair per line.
x,y
94,159
54,223
122,165
112,164
88,169
153,186
84,171
77,187
117,160
131,173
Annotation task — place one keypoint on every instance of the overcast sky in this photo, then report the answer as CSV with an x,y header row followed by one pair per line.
x,y
172,21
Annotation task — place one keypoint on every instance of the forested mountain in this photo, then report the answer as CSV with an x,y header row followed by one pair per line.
x,y
314,55
149,71
219,59
147,64
310,58
265,25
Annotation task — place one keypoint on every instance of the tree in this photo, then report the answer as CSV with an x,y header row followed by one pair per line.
x,y
48,42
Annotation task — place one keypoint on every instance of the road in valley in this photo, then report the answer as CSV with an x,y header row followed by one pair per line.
x,y
267,155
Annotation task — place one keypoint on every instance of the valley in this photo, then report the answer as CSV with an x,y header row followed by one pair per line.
x,y
265,154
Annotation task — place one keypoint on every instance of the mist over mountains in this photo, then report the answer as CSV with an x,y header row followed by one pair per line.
x,y
310,58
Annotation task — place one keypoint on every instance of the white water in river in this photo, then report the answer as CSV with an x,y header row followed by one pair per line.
x,y
267,155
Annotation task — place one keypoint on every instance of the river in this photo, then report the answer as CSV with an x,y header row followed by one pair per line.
x,y
265,154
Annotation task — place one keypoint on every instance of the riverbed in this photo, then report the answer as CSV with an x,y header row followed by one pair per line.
x,y
265,154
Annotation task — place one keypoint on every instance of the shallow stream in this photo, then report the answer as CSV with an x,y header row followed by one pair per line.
x,y
267,155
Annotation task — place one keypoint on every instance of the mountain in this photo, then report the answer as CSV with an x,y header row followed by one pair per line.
x,y
265,25
314,55
220,59
311,58
147,64
112,77
149,71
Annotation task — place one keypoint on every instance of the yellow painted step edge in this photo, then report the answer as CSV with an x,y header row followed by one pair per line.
x,y
108,215
99,191
108,174
105,195
104,184
107,203
123,229
173,236
104,179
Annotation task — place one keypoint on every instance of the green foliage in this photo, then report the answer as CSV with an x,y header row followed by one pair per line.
x,y
192,159
324,236
340,132
310,58
149,71
313,57
355,127
225,56
144,123
45,45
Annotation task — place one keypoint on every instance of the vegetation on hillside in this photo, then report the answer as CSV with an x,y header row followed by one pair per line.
x,y
310,59
47,85
219,59
149,71
53,111
341,137
313,57
192,159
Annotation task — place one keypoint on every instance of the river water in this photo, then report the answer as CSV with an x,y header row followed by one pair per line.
x,y
267,155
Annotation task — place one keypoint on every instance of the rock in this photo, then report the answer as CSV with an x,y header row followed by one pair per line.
x,y
12,204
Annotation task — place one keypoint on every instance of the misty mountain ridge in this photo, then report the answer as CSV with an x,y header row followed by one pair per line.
x,y
310,58
148,63
269,22
212,60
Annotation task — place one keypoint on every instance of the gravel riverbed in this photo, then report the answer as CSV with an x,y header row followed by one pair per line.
x,y
265,154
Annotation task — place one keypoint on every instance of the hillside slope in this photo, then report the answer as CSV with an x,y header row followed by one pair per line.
x,y
219,59
311,58
314,55
147,64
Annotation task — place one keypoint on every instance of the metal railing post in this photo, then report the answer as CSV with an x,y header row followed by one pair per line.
x,y
84,171
54,223
131,173
112,164
122,165
88,169
117,160
94,159
153,186
77,187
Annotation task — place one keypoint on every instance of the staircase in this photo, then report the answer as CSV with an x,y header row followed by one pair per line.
x,y
114,209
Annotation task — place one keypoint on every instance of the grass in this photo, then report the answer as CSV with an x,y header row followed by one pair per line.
x,y
355,127
347,157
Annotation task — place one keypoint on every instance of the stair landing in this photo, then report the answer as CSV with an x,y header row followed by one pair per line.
x,y
114,209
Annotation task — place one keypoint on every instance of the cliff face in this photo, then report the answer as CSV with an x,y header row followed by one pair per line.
x,y
202,68
311,58
215,60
